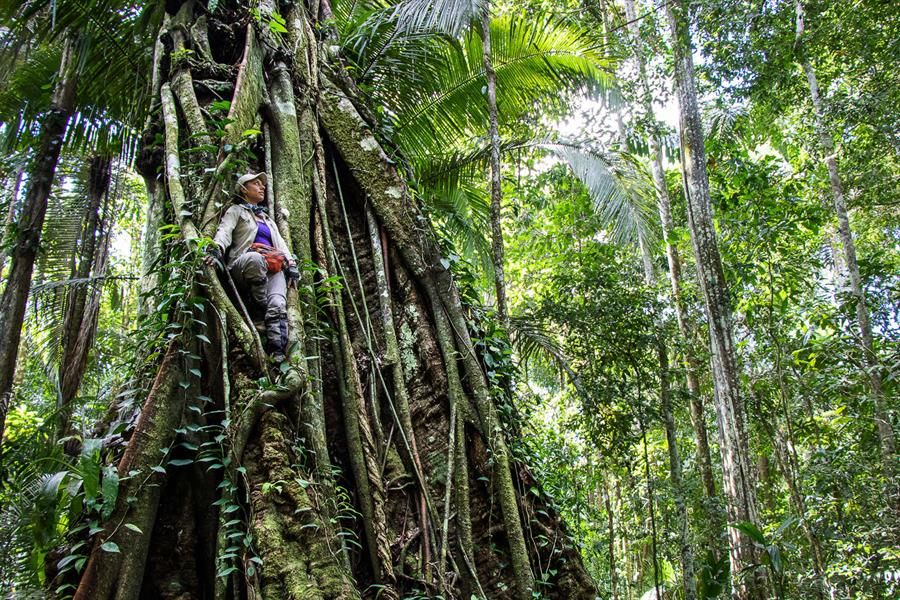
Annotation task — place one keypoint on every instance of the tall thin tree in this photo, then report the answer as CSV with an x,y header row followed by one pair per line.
x,y
826,142
676,475
83,296
31,221
496,191
664,204
748,582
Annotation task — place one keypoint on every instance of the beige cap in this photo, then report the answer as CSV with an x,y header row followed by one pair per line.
x,y
245,179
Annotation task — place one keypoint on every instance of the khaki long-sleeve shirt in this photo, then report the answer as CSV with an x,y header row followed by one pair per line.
x,y
238,230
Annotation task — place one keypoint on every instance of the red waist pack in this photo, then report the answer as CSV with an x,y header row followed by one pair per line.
x,y
275,259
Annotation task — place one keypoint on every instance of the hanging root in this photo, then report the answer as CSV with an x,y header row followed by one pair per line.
x,y
360,442
399,400
248,339
390,198
181,81
244,423
118,575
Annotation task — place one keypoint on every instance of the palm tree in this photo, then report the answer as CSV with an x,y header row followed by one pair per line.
x,y
30,223
524,63
89,43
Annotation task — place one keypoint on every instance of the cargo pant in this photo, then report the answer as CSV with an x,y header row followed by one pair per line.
x,y
266,294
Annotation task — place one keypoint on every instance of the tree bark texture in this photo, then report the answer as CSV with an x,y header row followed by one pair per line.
x,y
30,223
378,465
748,582
496,192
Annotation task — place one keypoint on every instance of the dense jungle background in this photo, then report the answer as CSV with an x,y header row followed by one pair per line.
x,y
598,299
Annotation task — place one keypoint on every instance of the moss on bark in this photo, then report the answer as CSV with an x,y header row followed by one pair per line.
x,y
385,423
299,549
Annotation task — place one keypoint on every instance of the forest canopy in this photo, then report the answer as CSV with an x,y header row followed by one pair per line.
x,y
449,299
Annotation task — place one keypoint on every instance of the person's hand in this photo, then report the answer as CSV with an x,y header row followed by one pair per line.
x,y
213,257
292,274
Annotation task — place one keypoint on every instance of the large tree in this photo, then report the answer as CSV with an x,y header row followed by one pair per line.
x,y
377,464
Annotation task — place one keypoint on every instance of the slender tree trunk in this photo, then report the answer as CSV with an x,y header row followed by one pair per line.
x,y
882,419
11,212
379,464
651,504
496,192
748,582
788,470
83,299
664,204
625,552
30,223
785,452
611,545
689,583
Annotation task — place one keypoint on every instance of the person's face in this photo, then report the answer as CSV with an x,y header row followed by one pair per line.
x,y
254,191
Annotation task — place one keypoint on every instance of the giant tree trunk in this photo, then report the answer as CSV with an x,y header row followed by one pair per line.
x,y
30,223
748,582
378,467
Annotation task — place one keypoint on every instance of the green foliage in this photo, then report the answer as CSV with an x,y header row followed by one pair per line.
x,y
429,91
46,511
112,87
577,373
534,61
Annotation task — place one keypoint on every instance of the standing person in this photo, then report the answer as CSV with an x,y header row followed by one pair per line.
x,y
249,245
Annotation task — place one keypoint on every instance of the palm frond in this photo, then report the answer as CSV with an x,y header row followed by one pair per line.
x,y
620,187
460,210
451,17
54,275
379,50
349,15
440,100
472,157
723,121
112,91
29,525
532,339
